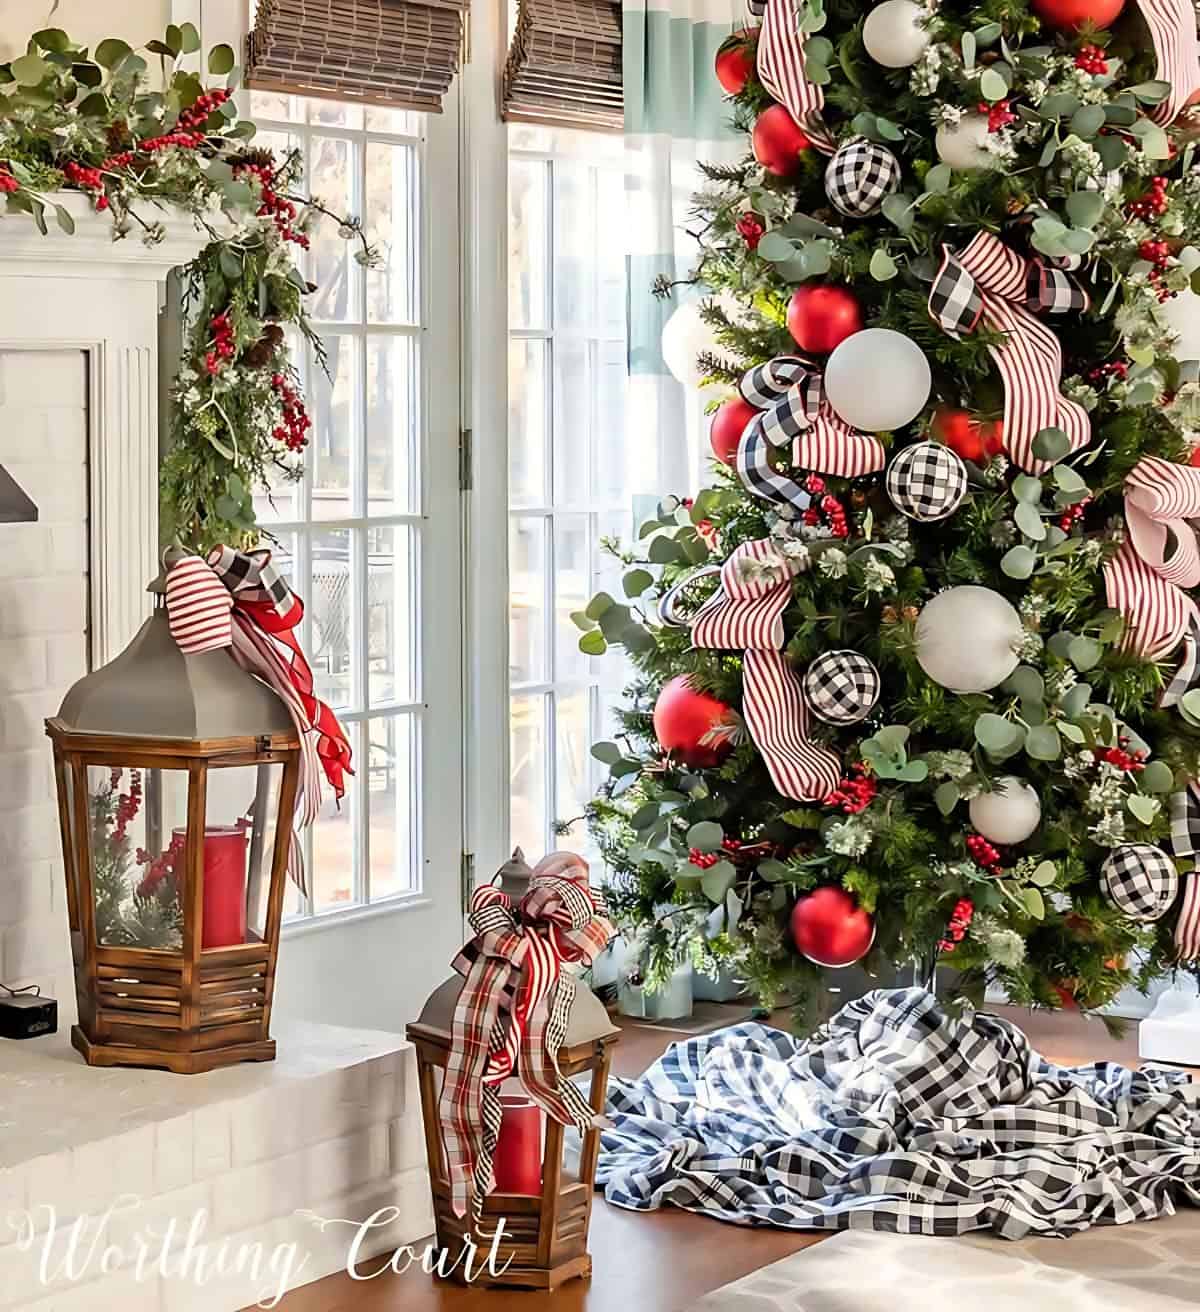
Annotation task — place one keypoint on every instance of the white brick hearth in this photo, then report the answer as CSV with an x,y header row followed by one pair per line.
x,y
248,1154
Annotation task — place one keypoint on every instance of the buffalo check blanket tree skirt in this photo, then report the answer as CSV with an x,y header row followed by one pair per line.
x,y
899,1117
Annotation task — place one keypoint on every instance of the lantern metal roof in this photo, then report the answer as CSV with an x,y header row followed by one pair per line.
x,y
154,690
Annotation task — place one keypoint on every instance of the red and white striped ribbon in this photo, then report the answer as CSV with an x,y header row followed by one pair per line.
x,y
747,614
1030,357
781,70
1159,558
1185,841
1172,25
237,601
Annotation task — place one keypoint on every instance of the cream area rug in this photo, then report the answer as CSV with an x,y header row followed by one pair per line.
x,y
1149,1266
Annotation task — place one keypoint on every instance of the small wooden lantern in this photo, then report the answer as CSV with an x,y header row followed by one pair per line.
x,y
545,1236
176,778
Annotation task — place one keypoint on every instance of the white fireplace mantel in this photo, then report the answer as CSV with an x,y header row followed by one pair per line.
x,y
84,291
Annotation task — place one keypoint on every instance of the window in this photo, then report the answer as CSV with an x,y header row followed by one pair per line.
x,y
571,471
351,534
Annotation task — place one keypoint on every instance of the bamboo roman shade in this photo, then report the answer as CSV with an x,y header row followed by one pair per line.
x,y
402,53
565,64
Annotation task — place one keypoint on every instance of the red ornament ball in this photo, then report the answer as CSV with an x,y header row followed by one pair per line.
x,y
976,440
820,316
728,425
735,62
778,141
695,728
1070,15
831,929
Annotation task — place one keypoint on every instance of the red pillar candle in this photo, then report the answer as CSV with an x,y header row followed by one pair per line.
x,y
224,886
518,1161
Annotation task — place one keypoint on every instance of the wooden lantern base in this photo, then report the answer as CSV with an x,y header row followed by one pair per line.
x,y
179,1063
522,1259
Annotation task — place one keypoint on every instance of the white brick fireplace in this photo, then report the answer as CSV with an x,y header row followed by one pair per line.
x,y
334,1125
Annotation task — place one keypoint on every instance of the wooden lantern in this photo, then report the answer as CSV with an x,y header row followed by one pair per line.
x,y
545,1236
176,779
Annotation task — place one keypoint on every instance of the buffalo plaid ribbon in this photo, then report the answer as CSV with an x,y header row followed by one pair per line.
x,y
238,600
989,282
512,1014
789,394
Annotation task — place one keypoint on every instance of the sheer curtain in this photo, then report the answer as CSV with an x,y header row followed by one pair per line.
x,y
675,114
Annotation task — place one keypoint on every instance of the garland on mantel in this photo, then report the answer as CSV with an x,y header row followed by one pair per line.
x,y
99,123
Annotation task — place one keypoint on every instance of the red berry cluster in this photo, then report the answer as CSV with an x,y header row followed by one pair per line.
x,y
196,115
829,508
293,432
1112,369
222,348
983,853
281,210
999,115
960,919
87,179
188,140
1073,514
160,867
855,792
1154,201
7,181
128,804
751,228
1121,757
703,859
1091,59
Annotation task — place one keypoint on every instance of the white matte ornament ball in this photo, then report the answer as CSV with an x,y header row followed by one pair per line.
x,y
893,34
877,380
1009,813
961,144
685,336
1181,314
967,639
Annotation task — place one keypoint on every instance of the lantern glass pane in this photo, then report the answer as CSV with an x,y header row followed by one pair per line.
x,y
240,816
137,823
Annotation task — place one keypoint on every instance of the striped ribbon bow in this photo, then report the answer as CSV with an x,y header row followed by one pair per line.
x,y
747,614
989,282
781,70
790,395
1185,842
1172,25
512,1014
238,600
1159,558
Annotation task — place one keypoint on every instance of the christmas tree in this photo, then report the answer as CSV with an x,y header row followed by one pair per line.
x,y
913,679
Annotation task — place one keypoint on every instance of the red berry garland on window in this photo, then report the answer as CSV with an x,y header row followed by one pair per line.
x,y
960,919
281,210
293,432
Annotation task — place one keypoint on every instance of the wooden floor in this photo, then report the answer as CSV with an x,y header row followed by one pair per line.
x,y
662,1262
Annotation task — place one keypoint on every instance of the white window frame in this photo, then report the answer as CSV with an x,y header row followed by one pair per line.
x,y
439,827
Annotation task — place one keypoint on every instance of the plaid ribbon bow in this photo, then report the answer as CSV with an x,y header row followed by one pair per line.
x,y
989,282
512,1014
781,69
238,600
747,614
789,392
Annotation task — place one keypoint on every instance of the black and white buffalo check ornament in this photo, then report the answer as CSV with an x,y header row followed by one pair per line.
x,y
841,687
1140,881
861,176
926,481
